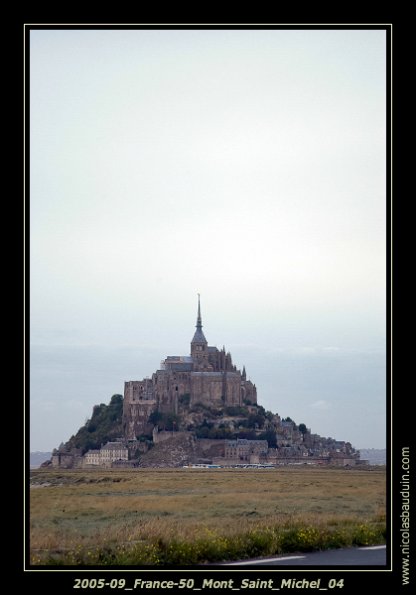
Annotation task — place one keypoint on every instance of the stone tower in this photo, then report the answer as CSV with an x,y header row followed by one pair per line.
x,y
199,344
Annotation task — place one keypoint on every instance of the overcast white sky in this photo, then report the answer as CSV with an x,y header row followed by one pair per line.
x,y
248,166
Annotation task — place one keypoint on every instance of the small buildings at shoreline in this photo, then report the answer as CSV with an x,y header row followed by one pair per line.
x,y
109,454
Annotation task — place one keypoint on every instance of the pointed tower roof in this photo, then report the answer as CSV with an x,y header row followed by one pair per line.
x,y
199,336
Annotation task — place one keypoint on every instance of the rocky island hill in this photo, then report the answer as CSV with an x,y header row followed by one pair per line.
x,y
196,409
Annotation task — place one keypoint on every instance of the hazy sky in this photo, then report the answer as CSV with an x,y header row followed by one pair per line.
x,y
248,166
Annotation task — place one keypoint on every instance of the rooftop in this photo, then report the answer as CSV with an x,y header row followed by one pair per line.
x,y
113,446
179,358
199,336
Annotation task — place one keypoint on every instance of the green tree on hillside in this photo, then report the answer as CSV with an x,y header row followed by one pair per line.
x,y
303,429
270,436
105,425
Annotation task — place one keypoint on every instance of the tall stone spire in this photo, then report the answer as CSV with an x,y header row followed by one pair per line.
x,y
199,335
199,319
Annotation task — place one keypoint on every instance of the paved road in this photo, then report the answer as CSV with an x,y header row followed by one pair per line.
x,y
356,556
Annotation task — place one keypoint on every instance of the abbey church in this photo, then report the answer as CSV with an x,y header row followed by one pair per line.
x,y
207,376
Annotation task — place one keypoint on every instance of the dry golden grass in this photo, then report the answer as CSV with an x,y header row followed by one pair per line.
x,y
86,509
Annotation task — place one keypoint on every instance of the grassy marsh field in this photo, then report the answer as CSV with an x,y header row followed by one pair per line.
x,y
194,516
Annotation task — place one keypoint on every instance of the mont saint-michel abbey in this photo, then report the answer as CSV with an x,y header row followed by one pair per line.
x,y
197,409
206,376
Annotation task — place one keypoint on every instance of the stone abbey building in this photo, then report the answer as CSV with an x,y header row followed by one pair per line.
x,y
207,376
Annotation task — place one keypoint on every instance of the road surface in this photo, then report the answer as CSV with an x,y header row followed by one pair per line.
x,y
357,556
